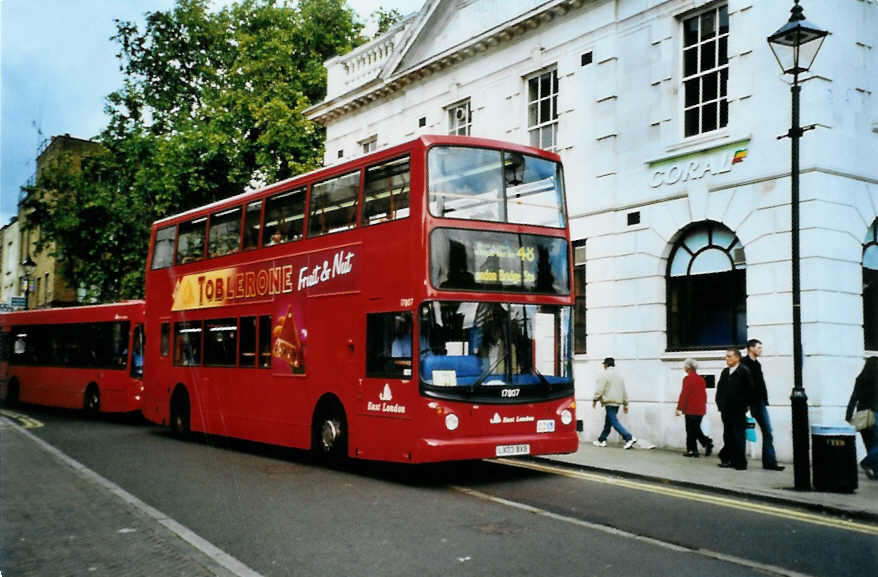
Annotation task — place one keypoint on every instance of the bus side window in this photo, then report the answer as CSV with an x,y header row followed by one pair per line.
x,y
284,217
247,351
265,342
224,235
252,225
333,205
389,345
386,192
187,344
190,241
163,251
137,343
165,344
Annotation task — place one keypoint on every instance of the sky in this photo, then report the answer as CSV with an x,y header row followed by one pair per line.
x,y
57,64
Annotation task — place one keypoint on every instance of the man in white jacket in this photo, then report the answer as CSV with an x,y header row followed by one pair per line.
x,y
610,391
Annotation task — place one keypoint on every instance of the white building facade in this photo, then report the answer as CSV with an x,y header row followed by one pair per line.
x,y
667,116
10,272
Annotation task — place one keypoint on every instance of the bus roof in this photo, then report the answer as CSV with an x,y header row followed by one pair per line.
x,y
133,309
424,141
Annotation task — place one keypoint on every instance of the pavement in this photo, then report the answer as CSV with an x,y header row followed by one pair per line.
x,y
703,473
58,518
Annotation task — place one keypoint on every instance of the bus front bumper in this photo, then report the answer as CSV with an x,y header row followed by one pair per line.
x,y
431,450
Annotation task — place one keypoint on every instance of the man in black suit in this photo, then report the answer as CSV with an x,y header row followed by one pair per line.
x,y
733,393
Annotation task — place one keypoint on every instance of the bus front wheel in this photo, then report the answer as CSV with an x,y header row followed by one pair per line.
x,y
180,413
330,432
12,393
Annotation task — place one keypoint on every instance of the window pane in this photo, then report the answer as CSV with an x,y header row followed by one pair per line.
x,y
187,344
466,183
334,205
247,356
870,308
722,237
579,309
284,217
547,140
533,90
724,20
710,261
165,343
723,50
545,85
225,232
691,122
534,190
534,138
389,345
386,192
709,87
252,222
692,92
870,257
690,32
190,244
220,342
723,113
708,55
545,111
533,117
708,25
690,61
709,117
164,247
265,345
723,81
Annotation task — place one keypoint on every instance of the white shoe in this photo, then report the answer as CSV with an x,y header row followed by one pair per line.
x,y
599,443
630,443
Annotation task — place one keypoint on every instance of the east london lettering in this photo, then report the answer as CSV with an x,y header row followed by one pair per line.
x,y
221,287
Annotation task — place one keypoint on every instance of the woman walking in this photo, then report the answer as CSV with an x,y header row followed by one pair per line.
x,y
693,404
865,398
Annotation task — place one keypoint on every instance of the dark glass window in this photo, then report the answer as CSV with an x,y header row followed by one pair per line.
x,y
705,71
165,343
579,332
498,261
220,342
247,356
284,217
163,250
386,192
187,344
102,345
252,224
707,289
389,345
870,288
137,349
333,205
225,232
190,240
265,345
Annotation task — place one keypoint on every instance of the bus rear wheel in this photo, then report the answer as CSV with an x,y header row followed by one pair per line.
x,y
12,393
330,433
91,402
180,413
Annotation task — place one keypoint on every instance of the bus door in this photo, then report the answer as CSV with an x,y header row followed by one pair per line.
x,y
389,387
137,350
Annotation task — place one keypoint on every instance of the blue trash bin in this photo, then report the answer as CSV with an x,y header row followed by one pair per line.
x,y
834,458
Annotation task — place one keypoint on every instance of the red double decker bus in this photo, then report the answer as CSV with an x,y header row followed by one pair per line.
x,y
88,357
412,305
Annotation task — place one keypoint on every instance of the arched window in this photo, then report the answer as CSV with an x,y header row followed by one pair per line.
x,y
707,289
870,288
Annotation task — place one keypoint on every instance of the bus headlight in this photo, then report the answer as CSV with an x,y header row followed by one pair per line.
x,y
566,417
451,421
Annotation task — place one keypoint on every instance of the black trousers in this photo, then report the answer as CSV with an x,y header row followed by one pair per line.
x,y
694,435
734,449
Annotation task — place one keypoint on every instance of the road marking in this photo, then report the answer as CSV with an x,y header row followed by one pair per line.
x,y
226,561
765,568
729,502
23,420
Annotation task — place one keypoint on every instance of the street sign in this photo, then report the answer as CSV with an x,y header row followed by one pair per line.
x,y
18,302
6,308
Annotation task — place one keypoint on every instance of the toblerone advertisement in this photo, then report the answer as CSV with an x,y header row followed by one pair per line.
x,y
281,281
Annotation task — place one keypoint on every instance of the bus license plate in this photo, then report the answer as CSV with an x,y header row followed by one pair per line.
x,y
546,426
512,450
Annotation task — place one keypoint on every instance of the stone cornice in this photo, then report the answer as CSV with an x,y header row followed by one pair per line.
x,y
379,88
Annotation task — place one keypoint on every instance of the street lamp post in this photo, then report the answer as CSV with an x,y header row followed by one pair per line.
x,y
28,265
795,46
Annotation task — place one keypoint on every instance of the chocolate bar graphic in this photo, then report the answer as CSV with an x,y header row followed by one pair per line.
x,y
287,345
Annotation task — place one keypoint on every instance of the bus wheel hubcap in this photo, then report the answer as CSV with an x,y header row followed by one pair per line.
x,y
330,433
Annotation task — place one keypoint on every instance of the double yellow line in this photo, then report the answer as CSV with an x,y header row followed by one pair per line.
x,y
23,420
729,502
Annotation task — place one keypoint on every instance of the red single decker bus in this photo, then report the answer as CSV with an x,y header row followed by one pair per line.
x,y
411,305
88,357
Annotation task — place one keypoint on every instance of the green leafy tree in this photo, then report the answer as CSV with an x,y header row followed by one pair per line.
x,y
211,105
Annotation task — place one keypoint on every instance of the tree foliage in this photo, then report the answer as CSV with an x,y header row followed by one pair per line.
x,y
211,105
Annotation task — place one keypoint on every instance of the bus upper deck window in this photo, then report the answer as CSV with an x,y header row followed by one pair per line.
x,y
252,225
386,192
163,250
224,236
190,244
334,204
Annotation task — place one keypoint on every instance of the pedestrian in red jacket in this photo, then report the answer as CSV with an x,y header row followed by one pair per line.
x,y
693,404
